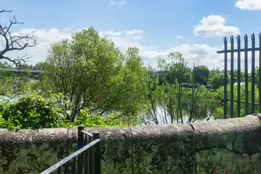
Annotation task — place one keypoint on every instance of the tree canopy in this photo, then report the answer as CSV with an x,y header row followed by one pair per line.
x,y
92,73
200,75
217,81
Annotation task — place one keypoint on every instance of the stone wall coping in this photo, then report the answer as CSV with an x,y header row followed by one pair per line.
x,y
248,123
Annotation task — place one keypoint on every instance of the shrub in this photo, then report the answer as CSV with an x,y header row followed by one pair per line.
x,y
87,120
32,111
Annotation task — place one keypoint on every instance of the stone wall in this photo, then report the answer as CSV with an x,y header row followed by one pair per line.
x,y
221,146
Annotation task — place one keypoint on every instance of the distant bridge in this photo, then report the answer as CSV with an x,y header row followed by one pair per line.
x,y
32,73
162,71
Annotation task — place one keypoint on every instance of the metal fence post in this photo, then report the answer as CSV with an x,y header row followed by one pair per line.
x,y
225,78
259,75
246,75
80,137
253,74
238,76
80,145
232,78
97,155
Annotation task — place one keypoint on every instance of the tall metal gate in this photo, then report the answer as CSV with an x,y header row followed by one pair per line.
x,y
240,95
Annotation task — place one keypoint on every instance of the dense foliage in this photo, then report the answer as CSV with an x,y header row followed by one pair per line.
x,y
34,111
217,81
84,70
92,73
88,81
200,74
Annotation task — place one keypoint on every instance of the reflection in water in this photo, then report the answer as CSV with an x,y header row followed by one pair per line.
x,y
164,118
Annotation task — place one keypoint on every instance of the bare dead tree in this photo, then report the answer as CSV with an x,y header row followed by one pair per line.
x,y
14,42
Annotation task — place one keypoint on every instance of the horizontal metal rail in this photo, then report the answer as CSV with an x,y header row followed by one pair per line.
x,y
241,101
238,50
87,133
70,157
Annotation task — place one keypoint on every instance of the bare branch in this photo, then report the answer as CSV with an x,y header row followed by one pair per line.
x,y
15,42
5,11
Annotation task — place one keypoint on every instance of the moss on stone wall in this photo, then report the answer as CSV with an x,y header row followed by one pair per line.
x,y
225,161
31,158
225,146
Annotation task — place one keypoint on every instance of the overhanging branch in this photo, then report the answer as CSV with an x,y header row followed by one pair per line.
x,y
14,42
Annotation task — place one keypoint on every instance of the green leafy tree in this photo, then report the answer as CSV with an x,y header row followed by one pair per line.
x,y
13,83
83,70
200,75
39,66
217,81
179,73
180,68
128,89
151,94
198,104
176,103
24,66
5,65
235,79
214,72
171,94
92,73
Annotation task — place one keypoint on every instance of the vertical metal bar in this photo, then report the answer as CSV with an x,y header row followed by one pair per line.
x,y
80,136
91,159
238,75
74,169
86,156
232,78
253,74
67,165
59,171
97,156
225,77
259,75
80,145
246,76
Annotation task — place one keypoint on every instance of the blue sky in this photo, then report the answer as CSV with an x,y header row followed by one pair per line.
x,y
193,27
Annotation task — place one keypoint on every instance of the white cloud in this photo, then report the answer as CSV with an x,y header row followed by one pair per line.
x,y
203,53
214,26
129,34
248,4
179,37
117,2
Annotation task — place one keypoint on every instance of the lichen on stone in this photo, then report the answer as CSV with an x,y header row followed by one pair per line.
x,y
223,146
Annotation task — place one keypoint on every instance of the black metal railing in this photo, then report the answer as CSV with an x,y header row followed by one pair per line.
x,y
86,160
250,105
